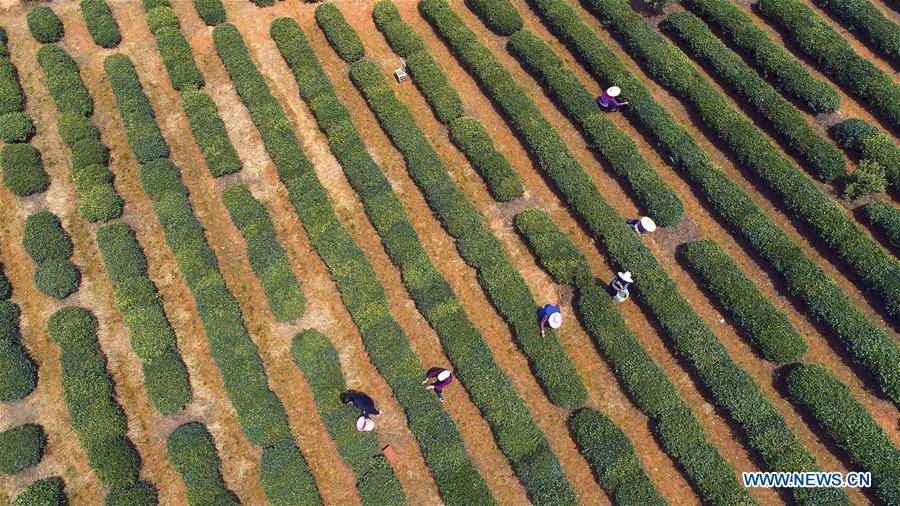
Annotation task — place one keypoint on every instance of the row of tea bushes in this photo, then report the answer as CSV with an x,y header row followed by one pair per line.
x,y
870,143
488,386
375,480
100,23
45,492
137,114
803,199
824,158
848,425
193,454
652,194
677,429
23,169
267,257
773,60
94,413
284,472
152,338
770,331
363,295
729,385
209,132
467,133
21,447
885,218
44,24
212,12
342,37
50,246
18,372
63,80
821,43
499,15
174,48
864,18
824,300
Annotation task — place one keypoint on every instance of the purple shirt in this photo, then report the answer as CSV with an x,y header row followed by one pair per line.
x,y
433,373
607,101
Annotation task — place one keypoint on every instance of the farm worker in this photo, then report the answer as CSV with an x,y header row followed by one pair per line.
x,y
365,405
550,314
442,377
642,225
608,101
620,284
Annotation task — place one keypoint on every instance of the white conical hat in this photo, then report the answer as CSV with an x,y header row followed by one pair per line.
x,y
555,320
613,91
443,375
648,224
363,424
626,276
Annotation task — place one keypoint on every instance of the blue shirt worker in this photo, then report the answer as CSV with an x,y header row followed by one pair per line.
x,y
550,314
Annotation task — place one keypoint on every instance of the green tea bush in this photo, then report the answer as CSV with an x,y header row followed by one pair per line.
x,y
362,293
787,121
18,372
88,391
44,24
678,430
141,130
174,48
100,23
729,385
5,286
12,98
50,246
46,492
472,138
867,179
400,36
804,201
848,426
316,357
773,60
823,299
4,39
21,447
73,127
871,144
267,257
212,12
193,454
499,15
865,19
140,493
64,82
770,331
342,37
23,170
652,194
162,17
821,43
209,131
152,338
884,217
613,459
16,127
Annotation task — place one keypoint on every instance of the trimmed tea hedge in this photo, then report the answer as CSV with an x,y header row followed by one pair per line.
x,y
90,157
871,144
499,15
729,385
18,372
16,127
805,202
768,328
467,133
864,18
100,23
21,447
677,429
44,24
848,425
138,118
473,361
89,394
267,257
46,492
12,98
342,37
152,338
823,158
885,218
821,43
211,11
210,134
23,169
260,413
50,246
174,48
5,286
193,454
773,60
140,493
824,300
363,295
64,81
613,459
646,187
375,480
